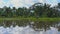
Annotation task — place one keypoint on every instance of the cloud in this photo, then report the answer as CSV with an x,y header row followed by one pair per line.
x,y
52,2
17,3
24,3
1,3
41,1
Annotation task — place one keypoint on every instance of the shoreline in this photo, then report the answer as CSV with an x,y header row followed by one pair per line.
x,y
32,19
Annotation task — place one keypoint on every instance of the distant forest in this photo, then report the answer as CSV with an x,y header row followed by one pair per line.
x,y
36,10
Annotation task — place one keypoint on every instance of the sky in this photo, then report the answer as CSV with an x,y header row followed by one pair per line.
x,y
25,3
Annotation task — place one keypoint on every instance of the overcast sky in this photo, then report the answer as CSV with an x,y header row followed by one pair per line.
x,y
25,3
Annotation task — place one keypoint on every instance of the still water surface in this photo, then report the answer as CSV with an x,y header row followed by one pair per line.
x,y
26,30
9,27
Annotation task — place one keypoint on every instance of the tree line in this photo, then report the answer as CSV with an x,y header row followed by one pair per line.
x,y
36,10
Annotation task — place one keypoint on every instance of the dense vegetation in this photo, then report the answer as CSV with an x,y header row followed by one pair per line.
x,y
37,10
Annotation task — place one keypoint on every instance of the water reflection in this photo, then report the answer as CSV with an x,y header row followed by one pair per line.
x,y
7,23
26,30
44,25
29,27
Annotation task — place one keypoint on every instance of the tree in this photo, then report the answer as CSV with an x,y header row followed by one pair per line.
x,y
14,11
19,12
37,8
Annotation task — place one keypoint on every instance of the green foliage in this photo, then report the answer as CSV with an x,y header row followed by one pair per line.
x,y
37,10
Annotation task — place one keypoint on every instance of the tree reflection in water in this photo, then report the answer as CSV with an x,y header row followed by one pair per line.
x,y
36,25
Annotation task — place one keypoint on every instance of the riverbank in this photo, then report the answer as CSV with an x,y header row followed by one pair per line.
x,y
32,19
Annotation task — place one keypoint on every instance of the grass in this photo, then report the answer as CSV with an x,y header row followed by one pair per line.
x,y
32,19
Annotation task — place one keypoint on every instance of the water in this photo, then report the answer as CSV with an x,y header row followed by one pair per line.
x,y
25,27
26,30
